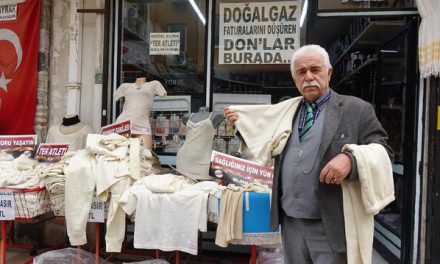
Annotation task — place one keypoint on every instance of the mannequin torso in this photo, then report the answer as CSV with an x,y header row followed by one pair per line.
x,y
71,131
140,81
67,130
193,158
138,102
70,125
216,117
139,98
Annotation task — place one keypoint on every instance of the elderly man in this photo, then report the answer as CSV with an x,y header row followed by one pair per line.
x,y
307,194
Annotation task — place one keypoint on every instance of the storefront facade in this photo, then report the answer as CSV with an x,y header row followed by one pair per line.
x,y
207,54
217,64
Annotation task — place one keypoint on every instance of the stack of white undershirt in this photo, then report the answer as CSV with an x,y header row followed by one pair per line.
x,y
18,173
53,177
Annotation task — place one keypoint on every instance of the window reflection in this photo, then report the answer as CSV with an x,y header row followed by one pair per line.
x,y
181,73
392,83
165,41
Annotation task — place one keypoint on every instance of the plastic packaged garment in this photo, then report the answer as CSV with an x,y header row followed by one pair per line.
x,y
233,146
174,124
68,255
162,126
270,256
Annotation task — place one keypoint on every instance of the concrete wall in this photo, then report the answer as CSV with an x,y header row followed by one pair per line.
x,y
89,58
92,57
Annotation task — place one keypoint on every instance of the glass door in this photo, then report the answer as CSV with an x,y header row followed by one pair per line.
x,y
396,104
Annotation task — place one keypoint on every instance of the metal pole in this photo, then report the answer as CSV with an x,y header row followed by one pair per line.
x,y
3,244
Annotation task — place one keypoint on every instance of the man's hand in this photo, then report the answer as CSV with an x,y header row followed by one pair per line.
x,y
336,170
230,114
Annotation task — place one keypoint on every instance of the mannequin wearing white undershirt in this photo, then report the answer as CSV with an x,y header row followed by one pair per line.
x,y
203,113
138,101
71,131
148,139
193,158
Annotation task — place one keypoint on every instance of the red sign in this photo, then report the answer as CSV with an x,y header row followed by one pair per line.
x,y
51,152
19,40
14,143
238,171
122,128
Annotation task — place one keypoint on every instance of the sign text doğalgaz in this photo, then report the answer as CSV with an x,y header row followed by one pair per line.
x,y
258,32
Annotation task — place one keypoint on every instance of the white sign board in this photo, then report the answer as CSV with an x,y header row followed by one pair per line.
x,y
11,2
7,205
165,43
258,32
96,214
8,12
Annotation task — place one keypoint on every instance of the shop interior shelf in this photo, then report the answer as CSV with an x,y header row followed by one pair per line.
x,y
172,103
370,37
354,72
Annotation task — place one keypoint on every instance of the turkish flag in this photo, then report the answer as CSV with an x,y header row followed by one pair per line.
x,y
19,39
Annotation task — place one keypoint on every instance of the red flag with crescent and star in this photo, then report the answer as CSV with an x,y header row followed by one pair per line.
x,y
19,40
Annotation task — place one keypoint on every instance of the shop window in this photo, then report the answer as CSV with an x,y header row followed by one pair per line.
x,y
392,103
166,41
148,49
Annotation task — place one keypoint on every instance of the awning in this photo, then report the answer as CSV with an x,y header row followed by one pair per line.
x,y
429,38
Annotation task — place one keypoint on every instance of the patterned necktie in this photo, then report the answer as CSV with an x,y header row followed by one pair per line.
x,y
309,119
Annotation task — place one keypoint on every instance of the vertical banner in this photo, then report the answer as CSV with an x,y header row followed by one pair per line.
x,y
19,40
259,32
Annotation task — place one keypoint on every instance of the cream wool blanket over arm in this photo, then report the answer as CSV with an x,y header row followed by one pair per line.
x,y
365,198
266,128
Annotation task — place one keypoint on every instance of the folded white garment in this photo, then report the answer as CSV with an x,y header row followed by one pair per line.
x,y
112,146
165,183
4,156
24,163
57,188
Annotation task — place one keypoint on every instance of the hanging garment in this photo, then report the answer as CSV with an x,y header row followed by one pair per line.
x,y
106,166
230,223
167,221
194,157
365,198
263,141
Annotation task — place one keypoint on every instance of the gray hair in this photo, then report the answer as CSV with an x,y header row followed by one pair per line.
x,y
309,48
